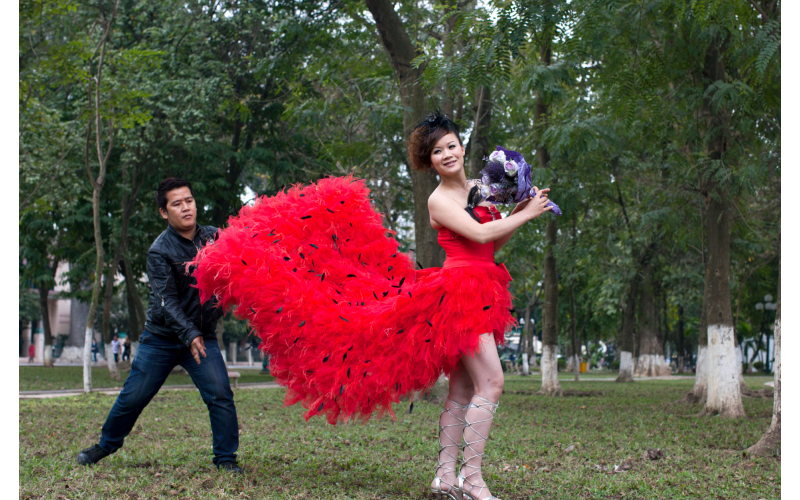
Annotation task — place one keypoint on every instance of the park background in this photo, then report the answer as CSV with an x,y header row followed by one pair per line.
x,y
653,123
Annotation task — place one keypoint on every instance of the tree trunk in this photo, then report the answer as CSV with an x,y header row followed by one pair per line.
x,y
771,440
724,397
232,348
450,42
699,392
526,343
680,340
479,142
650,362
135,306
44,292
98,281
402,52
97,186
108,293
541,113
626,340
550,385
573,327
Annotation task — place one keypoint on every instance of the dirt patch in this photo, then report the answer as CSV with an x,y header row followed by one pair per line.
x,y
760,393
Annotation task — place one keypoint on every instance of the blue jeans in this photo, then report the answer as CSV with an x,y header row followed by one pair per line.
x,y
154,360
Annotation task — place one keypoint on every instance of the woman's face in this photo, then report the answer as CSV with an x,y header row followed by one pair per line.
x,y
447,156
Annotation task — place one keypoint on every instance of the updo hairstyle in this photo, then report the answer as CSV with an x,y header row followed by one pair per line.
x,y
425,136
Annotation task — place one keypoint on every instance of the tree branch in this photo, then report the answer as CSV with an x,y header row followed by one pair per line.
x,y
761,11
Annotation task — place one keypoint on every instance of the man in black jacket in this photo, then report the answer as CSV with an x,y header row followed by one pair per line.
x,y
179,331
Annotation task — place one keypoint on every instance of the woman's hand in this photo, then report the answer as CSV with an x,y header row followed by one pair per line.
x,y
537,205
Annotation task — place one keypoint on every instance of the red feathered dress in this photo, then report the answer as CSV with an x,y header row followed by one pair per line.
x,y
348,323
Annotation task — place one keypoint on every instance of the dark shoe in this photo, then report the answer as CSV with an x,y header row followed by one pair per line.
x,y
92,455
230,466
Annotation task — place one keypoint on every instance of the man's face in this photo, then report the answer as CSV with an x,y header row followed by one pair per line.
x,y
181,212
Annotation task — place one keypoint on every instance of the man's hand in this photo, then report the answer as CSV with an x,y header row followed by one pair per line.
x,y
198,348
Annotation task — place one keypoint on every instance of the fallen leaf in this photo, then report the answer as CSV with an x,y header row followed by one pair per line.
x,y
624,466
569,448
653,454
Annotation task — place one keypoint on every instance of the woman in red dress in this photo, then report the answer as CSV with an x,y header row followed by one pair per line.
x,y
350,326
476,381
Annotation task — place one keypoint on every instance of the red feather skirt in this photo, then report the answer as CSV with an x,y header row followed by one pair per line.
x,y
349,325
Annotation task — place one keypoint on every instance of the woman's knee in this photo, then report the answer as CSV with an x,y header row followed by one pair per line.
x,y
491,386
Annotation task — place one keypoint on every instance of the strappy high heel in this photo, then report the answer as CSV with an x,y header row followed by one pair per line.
x,y
446,441
473,450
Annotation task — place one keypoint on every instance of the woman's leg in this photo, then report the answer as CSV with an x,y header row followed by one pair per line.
x,y
451,428
486,373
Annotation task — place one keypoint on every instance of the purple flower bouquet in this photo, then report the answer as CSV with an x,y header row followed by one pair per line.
x,y
506,179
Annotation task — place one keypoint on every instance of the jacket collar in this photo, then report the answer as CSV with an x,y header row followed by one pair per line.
x,y
198,227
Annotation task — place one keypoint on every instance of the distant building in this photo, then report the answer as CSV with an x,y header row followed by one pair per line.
x,y
67,323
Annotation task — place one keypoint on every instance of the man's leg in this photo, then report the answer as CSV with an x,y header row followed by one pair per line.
x,y
211,377
154,360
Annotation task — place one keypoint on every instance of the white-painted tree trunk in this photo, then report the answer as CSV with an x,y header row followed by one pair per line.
x,y
700,390
772,438
625,367
134,348
250,356
87,359
112,365
47,356
651,365
571,363
532,360
550,384
724,398
232,351
575,361
526,367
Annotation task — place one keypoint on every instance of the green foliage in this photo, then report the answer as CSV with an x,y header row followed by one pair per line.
x,y
29,309
248,98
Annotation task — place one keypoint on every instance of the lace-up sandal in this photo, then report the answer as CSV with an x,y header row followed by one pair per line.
x,y
478,422
451,429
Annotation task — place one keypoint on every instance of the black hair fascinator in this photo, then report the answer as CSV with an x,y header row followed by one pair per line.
x,y
472,201
435,120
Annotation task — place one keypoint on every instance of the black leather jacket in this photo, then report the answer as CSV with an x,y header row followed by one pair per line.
x,y
175,312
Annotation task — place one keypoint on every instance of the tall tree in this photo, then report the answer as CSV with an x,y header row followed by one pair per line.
x,y
402,53
772,437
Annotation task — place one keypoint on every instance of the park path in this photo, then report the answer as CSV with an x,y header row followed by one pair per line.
x,y
270,385
116,390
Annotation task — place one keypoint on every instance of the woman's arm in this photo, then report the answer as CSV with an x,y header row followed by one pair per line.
x,y
498,244
451,215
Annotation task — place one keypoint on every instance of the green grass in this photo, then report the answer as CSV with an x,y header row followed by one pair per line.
x,y
38,378
168,454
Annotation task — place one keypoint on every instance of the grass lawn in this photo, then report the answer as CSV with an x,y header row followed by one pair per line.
x,y
168,454
38,378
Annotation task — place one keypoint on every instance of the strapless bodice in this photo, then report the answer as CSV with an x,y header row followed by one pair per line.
x,y
463,252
